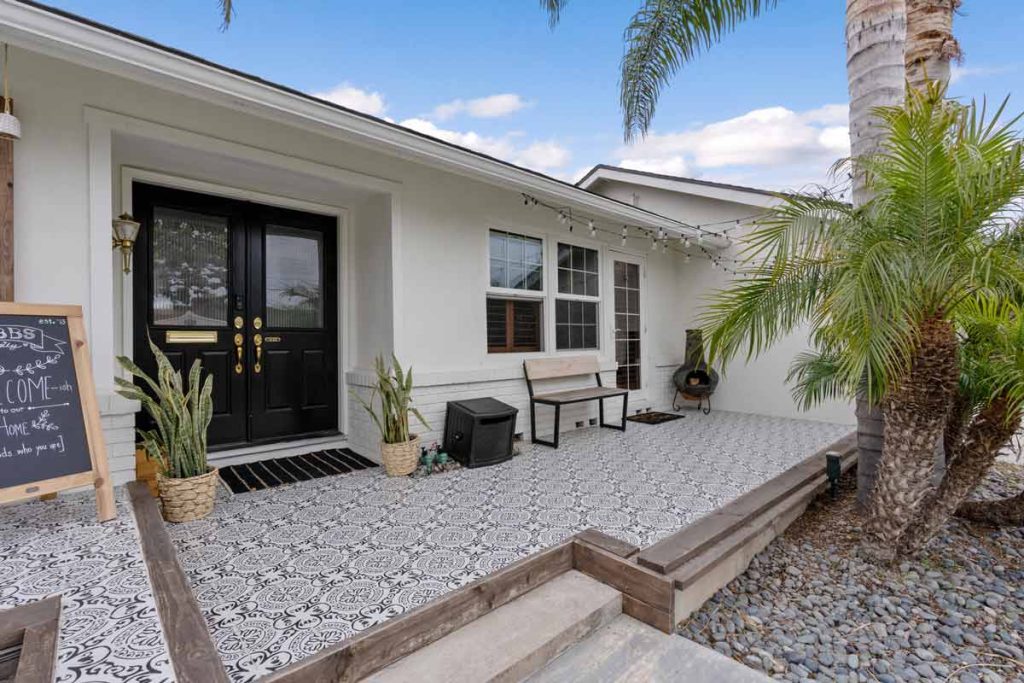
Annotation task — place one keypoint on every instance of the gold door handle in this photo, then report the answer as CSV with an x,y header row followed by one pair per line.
x,y
238,354
257,340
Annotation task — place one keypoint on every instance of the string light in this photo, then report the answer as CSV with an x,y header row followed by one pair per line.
x,y
657,235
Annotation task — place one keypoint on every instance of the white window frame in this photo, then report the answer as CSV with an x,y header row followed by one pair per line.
x,y
540,295
571,241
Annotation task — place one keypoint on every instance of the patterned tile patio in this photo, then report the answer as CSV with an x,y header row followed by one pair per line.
x,y
282,573
109,626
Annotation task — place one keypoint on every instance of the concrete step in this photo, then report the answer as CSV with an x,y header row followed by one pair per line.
x,y
629,651
515,640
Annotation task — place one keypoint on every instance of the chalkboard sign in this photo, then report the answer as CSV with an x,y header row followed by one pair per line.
x,y
50,434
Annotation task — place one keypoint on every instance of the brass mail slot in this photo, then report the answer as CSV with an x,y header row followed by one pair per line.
x,y
271,340
191,337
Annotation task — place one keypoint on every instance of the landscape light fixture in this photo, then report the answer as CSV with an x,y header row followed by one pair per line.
x,y
833,470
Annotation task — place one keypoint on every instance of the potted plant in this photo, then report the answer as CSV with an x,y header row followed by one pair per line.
x,y
177,442
399,450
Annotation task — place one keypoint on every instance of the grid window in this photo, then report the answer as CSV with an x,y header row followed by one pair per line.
x,y
578,271
516,261
575,324
513,325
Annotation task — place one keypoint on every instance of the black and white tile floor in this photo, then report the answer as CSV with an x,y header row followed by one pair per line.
x,y
109,626
284,572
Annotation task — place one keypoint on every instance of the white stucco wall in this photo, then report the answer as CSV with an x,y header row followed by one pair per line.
x,y
415,275
758,386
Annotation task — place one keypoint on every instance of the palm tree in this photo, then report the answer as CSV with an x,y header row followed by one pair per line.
x,y
885,288
664,35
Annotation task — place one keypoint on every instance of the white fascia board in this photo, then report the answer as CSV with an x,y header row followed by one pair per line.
x,y
681,185
83,44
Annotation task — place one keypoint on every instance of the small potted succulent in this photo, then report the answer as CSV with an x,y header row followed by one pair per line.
x,y
399,450
177,441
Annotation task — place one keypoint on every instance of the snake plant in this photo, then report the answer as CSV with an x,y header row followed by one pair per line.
x,y
394,386
177,440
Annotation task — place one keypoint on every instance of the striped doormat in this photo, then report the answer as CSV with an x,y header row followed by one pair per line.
x,y
265,474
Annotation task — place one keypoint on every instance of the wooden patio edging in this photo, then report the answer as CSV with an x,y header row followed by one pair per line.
x,y
189,645
705,556
646,596
36,628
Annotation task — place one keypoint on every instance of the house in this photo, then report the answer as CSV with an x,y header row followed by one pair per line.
x,y
286,241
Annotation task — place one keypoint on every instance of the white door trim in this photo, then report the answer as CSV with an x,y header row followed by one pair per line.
x,y
130,175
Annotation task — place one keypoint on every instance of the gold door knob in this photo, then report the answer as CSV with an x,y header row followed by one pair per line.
x,y
238,354
257,323
257,341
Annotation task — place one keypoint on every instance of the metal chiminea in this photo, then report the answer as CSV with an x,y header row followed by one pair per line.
x,y
694,380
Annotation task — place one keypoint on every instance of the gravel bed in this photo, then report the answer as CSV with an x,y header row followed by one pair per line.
x,y
808,608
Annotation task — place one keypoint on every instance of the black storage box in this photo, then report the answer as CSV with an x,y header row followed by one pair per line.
x,y
479,431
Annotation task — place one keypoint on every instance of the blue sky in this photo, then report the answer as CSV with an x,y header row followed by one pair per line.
x,y
766,107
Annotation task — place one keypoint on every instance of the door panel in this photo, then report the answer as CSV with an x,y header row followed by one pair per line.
x,y
293,291
262,282
189,267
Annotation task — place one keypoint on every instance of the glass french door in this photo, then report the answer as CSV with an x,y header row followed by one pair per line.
x,y
627,277
250,291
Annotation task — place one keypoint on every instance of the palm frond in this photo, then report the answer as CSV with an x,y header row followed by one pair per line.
x,y
663,36
554,10
227,13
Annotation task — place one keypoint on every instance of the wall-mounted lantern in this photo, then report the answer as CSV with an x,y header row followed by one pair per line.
x,y
126,229
10,126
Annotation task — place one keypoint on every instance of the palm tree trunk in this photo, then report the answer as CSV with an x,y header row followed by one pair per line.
x,y
875,31
875,71
930,42
970,459
1005,512
915,419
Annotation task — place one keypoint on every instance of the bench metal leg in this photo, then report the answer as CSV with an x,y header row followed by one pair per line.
x,y
533,426
600,413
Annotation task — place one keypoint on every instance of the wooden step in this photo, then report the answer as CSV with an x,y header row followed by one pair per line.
x,y
515,640
676,550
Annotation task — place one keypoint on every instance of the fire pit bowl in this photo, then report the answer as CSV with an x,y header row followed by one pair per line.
x,y
694,380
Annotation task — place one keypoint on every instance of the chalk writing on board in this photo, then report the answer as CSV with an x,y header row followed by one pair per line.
x,y
42,429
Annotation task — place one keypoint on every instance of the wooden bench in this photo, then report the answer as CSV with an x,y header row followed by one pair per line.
x,y
569,366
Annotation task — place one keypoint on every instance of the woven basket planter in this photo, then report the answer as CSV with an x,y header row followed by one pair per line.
x,y
186,500
400,459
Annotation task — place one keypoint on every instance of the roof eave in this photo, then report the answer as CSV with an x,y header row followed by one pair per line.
x,y
56,33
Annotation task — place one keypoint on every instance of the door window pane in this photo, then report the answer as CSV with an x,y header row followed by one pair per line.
x,y
190,269
516,261
294,277
627,324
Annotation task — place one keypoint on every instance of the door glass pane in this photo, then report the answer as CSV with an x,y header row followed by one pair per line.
x,y
190,269
294,277
627,325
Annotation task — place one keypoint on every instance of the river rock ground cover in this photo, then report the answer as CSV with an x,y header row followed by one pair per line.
x,y
808,608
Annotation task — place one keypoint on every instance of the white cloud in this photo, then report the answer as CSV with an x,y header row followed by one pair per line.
x,y
773,147
544,155
958,73
490,107
355,98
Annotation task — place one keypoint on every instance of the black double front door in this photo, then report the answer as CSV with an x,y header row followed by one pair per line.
x,y
251,291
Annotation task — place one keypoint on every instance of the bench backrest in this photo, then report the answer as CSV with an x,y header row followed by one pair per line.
x,y
563,366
